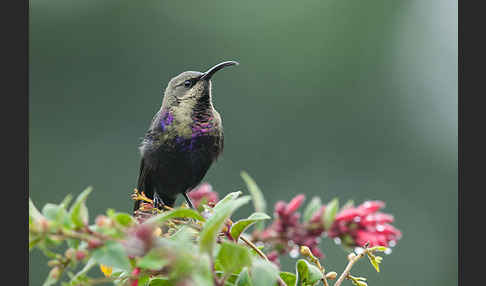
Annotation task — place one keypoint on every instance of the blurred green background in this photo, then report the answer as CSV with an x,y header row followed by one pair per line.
x,y
354,99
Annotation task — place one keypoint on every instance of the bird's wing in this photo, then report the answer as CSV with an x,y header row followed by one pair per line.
x,y
221,140
144,183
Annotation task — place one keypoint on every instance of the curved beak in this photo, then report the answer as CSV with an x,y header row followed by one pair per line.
x,y
210,72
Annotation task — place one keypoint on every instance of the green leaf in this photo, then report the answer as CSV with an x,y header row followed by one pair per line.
x,y
159,282
154,260
50,280
358,281
91,262
50,211
214,224
233,257
34,242
256,194
307,274
288,278
143,280
330,213
33,212
124,219
238,227
313,206
202,279
231,280
348,204
375,261
378,248
184,234
177,213
79,211
57,214
229,197
64,204
244,278
264,273
112,254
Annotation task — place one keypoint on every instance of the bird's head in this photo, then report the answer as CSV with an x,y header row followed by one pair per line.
x,y
191,89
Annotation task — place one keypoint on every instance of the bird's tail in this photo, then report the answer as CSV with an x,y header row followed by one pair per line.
x,y
144,184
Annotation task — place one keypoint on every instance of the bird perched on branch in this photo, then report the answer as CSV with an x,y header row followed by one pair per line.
x,y
183,140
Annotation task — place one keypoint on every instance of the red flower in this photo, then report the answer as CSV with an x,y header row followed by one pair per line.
x,y
80,255
365,224
316,217
94,243
135,273
273,257
294,204
203,193
286,231
140,240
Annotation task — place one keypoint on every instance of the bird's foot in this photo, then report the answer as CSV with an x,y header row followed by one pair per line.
x,y
188,200
140,196
158,202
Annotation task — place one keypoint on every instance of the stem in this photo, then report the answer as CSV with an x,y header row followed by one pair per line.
x,y
253,246
323,279
345,274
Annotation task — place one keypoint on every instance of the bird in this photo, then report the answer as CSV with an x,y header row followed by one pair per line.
x,y
185,137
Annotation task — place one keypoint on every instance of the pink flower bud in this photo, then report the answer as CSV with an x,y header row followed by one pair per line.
x,y
348,214
369,207
374,239
317,252
377,218
94,243
294,204
102,220
388,229
136,271
55,272
44,224
203,192
272,256
316,217
80,255
280,208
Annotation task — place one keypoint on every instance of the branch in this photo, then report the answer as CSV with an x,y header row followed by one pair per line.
x,y
352,260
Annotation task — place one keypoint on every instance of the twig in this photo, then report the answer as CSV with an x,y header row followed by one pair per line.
x,y
351,262
253,246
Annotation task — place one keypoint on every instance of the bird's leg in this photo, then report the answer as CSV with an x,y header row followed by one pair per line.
x,y
140,196
188,200
158,202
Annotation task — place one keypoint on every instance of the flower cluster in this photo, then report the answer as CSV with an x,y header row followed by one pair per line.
x,y
356,226
287,233
353,226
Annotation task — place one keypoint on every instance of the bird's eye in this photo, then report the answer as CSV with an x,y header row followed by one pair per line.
x,y
187,83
